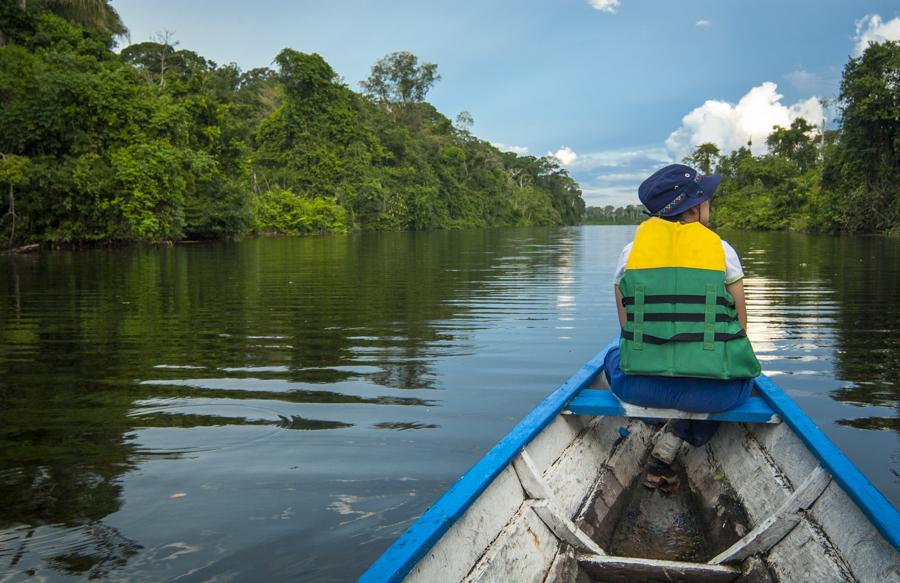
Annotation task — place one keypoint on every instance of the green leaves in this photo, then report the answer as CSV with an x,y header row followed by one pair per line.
x,y
158,144
284,212
398,78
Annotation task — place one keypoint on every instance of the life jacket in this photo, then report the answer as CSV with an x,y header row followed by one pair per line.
x,y
681,321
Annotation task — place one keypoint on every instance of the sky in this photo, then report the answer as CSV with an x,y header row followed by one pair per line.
x,y
615,89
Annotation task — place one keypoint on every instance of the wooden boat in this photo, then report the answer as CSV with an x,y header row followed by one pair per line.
x,y
776,500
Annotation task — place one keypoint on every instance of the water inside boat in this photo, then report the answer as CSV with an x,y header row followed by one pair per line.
x,y
673,522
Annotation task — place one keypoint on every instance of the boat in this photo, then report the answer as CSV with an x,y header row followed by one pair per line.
x,y
771,497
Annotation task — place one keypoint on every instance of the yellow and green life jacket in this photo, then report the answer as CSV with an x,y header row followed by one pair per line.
x,y
681,321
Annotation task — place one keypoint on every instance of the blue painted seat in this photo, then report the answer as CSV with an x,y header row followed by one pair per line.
x,y
604,402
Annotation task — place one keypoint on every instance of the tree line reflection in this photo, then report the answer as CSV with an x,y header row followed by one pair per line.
x,y
96,346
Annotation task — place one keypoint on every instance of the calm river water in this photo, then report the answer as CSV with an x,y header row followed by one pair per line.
x,y
282,409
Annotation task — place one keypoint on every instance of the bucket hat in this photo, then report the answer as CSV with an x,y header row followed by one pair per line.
x,y
674,189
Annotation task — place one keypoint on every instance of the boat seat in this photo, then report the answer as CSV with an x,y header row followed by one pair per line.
x,y
604,402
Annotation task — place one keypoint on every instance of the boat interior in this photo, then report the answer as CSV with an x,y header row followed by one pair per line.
x,y
577,504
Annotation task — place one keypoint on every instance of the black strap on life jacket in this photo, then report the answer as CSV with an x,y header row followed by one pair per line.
x,y
669,317
677,299
684,337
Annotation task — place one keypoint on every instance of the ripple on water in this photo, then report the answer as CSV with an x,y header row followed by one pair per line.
x,y
178,427
91,550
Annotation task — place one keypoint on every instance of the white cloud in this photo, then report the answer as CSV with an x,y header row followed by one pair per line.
x,y
615,195
518,150
612,176
731,126
565,155
636,157
605,5
872,29
703,23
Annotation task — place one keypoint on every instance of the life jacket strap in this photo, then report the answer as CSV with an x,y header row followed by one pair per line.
x,y
676,299
672,317
685,337
709,326
638,317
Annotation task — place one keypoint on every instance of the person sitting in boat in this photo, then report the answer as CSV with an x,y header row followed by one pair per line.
x,y
680,297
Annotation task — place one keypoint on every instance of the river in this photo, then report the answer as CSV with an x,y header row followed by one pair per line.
x,y
279,409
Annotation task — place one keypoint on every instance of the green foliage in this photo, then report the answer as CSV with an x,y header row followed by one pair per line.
x,y
797,144
608,215
849,183
703,157
862,170
12,169
159,143
284,212
398,78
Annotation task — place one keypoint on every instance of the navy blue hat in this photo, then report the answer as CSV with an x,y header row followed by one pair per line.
x,y
676,188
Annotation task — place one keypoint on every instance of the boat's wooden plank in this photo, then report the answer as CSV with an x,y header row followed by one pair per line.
x,y
530,477
548,510
868,555
564,568
786,449
547,446
565,529
455,553
572,476
524,551
767,533
626,459
759,484
762,487
600,402
873,504
413,544
628,570
804,554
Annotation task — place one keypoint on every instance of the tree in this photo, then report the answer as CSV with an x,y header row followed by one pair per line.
x,y
398,79
463,124
92,14
152,56
305,76
12,172
799,143
862,172
704,157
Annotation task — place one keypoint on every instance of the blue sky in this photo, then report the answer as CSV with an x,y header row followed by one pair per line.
x,y
617,88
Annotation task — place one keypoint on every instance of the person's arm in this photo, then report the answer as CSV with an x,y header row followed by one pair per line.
x,y
620,308
736,289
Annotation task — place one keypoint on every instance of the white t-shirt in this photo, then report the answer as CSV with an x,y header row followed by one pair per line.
x,y
733,269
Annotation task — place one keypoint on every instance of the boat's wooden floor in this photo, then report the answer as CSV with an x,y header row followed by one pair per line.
x,y
629,570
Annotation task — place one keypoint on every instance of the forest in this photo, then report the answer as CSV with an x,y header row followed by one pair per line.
x,y
157,143
841,179
631,214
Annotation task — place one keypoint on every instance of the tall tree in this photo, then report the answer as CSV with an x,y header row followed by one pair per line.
x,y
398,78
704,157
799,143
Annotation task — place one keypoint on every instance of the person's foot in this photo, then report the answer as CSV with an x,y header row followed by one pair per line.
x,y
667,446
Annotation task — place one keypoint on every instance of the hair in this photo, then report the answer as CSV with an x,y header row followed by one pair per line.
x,y
674,218
682,215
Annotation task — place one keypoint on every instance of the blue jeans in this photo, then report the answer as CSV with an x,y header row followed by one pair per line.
x,y
683,393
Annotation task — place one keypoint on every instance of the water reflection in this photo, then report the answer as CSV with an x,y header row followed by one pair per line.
x,y
115,358
824,316
256,409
